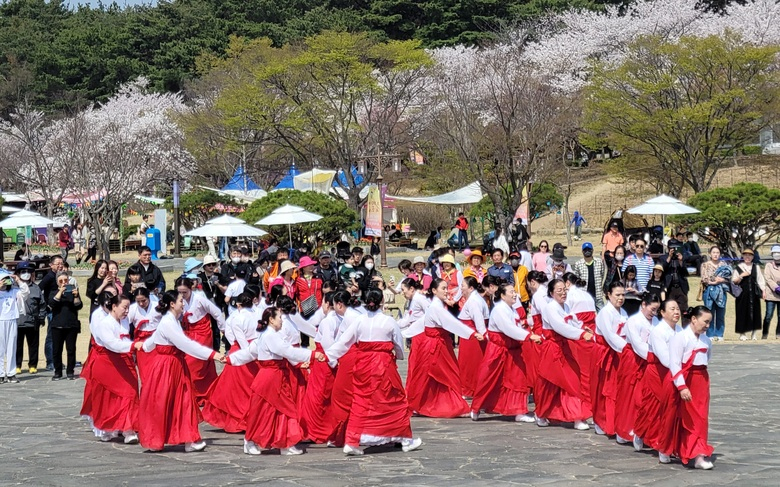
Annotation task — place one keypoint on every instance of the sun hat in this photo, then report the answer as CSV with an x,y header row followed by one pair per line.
x,y
558,254
306,261
447,258
191,264
418,260
209,259
286,266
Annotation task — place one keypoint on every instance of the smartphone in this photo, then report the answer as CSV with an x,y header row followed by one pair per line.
x,y
69,289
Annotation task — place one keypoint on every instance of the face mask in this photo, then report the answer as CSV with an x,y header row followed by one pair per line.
x,y
514,263
235,260
369,265
776,256
25,276
587,253
618,258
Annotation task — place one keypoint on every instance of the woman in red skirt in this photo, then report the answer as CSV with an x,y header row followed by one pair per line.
x,y
434,387
228,397
610,341
503,384
537,284
169,412
583,308
652,427
111,394
379,413
558,395
689,354
144,319
196,320
633,362
474,314
272,417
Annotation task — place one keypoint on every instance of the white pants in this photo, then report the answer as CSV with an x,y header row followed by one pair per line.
x,y
8,348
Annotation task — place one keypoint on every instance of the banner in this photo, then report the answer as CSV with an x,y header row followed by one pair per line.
x,y
523,210
373,212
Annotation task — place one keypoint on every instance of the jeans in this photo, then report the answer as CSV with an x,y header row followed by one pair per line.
x,y
771,306
578,231
64,254
463,239
718,325
47,346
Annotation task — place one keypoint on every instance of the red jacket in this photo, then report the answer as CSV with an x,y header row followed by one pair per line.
x,y
305,289
462,223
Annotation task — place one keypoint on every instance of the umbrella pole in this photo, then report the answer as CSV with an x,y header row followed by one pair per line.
x,y
289,231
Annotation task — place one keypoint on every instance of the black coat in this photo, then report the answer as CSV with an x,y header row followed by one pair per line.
x,y
48,284
152,277
64,312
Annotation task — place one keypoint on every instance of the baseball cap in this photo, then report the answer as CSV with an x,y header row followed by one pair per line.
x,y
587,245
325,255
614,224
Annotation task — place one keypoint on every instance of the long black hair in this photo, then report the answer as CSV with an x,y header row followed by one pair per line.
x,y
287,305
696,311
264,321
374,298
166,300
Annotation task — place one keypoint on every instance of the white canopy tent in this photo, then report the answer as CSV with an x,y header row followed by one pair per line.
x,y
466,195
663,205
241,196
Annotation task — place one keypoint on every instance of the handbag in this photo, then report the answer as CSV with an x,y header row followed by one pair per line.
x,y
309,306
736,289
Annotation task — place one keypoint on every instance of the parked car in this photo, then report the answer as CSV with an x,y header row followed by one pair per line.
x,y
773,149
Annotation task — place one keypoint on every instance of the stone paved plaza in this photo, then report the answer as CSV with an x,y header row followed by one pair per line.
x,y
43,442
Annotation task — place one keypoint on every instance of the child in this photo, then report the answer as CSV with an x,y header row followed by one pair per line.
x,y
634,291
657,283
11,305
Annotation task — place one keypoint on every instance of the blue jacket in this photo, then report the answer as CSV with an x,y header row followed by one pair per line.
x,y
716,294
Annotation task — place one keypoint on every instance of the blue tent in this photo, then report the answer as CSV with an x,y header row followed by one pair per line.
x,y
241,182
341,179
288,181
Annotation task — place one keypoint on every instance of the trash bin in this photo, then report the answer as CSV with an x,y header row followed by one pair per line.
x,y
153,241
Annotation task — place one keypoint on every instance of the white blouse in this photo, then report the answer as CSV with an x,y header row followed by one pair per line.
x,y
681,347
374,326
199,306
580,301
271,345
476,310
558,318
235,288
241,327
144,319
437,316
610,323
109,333
169,333
660,336
413,321
638,333
538,301
328,330
504,319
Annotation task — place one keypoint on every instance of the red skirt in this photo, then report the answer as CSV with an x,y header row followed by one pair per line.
x,y
272,418
202,372
228,397
341,397
379,407
169,412
558,392
142,358
111,393
692,418
503,383
315,414
584,354
434,388
653,425
470,353
629,375
603,383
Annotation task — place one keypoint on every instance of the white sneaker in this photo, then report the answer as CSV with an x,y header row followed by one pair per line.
x,y
743,338
703,464
195,446
720,339
525,418
664,458
411,445
290,451
251,448
620,440
581,425
598,429
353,450
474,415
131,438
638,443
330,444
104,437
541,422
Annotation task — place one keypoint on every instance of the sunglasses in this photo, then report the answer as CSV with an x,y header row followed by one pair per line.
x,y
542,246
640,246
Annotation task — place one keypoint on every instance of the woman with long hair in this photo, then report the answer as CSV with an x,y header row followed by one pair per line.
x,y
111,394
412,324
541,257
379,413
170,413
747,306
631,368
196,320
474,314
657,388
97,283
434,389
227,400
272,416
558,395
689,354
503,385
143,318
610,341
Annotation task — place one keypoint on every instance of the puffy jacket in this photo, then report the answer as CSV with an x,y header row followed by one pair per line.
x,y
34,309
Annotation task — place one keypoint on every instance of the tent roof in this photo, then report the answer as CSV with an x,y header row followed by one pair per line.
x,y
341,179
241,182
288,181
464,196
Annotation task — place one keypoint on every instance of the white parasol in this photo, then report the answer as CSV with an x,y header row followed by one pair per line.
x,y
289,215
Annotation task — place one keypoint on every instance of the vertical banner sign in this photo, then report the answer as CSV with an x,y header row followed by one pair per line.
x,y
374,212
523,210
175,193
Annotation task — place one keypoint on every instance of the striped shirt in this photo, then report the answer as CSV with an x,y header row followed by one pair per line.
x,y
644,267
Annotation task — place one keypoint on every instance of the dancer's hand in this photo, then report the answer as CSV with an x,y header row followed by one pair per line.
x,y
319,356
587,336
480,337
685,395
219,357
138,346
535,338
305,365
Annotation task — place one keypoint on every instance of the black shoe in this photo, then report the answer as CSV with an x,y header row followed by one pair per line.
x,y
13,379
57,377
2,380
50,368
71,377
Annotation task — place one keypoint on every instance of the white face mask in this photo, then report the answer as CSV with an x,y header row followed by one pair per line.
x,y
369,265
235,260
776,256
25,276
